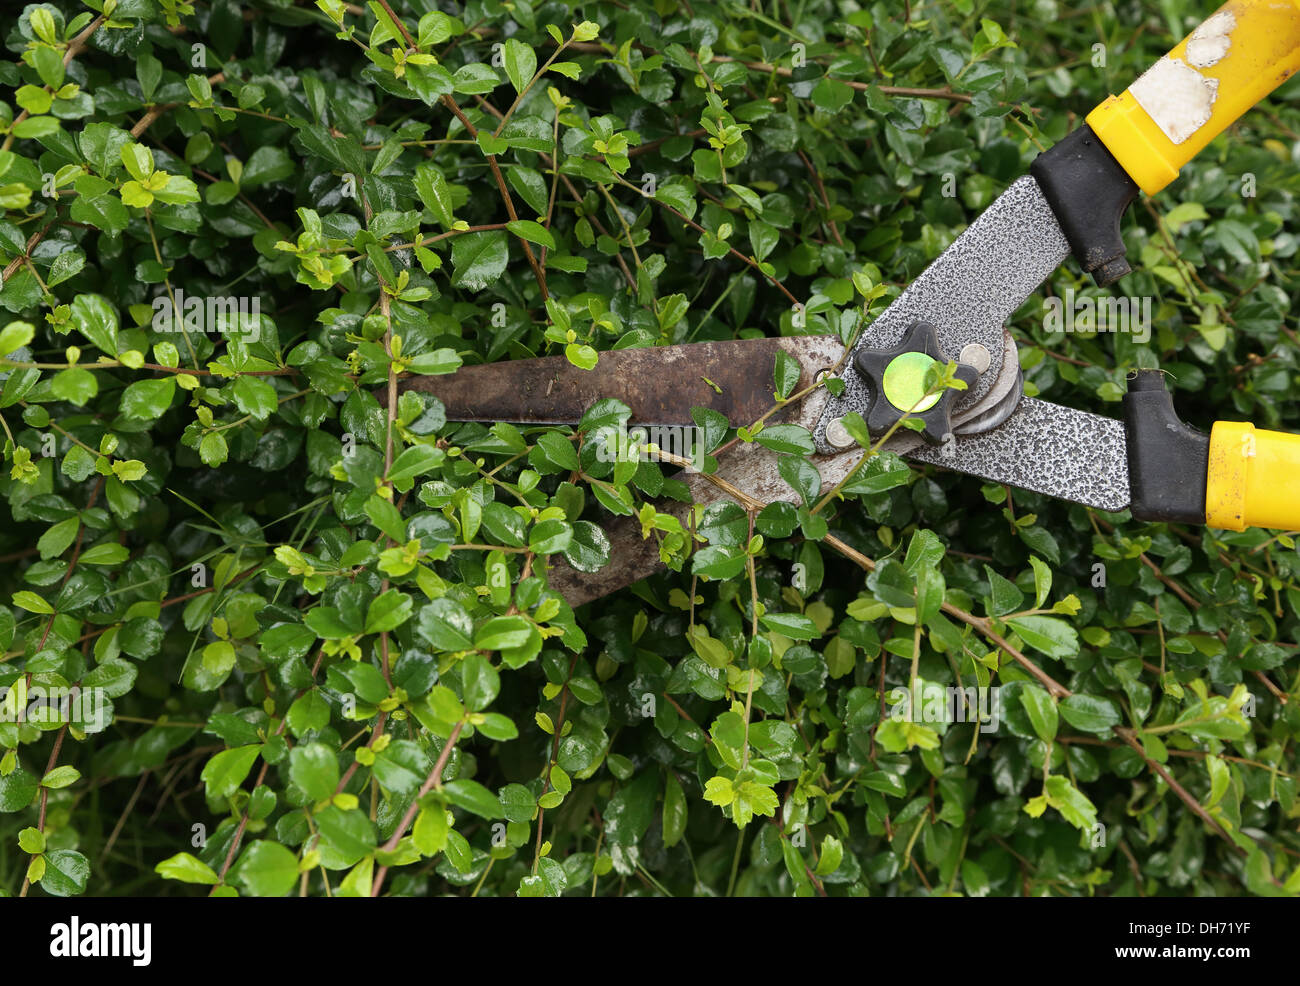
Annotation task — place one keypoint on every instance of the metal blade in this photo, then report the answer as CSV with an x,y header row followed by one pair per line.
x,y
1043,447
748,466
1046,448
660,384
969,291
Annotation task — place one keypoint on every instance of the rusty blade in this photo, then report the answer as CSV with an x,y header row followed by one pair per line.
x,y
748,467
660,384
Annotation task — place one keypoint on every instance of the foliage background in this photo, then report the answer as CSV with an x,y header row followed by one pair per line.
x,y
801,151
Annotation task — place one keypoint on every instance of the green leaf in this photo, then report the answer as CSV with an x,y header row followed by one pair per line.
x,y
57,539
138,160
550,536
66,873
254,396
1005,595
430,830
187,869
588,549
1220,778
930,589
225,772
478,259
559,450
17,790
1041,709
388,611
266,164
924,551
520,63
218,657
267,869
475,78
678,197
309,712
797,868
65,267
787,438
436,362
832,855
480,682
213,449
675,812
582,356
1237,240
1042,580
1052,636
444,625
42,22
104,212
114,676
434,192
1074,807
785,374
532,232
717,562
503,632
74,385
792,625
31,602
345,837
498,727
832,95
473,797
287,640
31,840
146,400
315,769
1091,713
61,777
14,336
107,555
415,461
883,472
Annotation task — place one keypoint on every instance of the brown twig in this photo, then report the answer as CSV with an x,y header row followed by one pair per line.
x,y
45,793
506,197
433,780
157,110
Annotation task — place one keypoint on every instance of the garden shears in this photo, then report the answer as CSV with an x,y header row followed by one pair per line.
x,y
953,314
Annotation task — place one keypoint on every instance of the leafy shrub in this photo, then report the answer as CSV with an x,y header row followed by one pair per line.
x,y
320,620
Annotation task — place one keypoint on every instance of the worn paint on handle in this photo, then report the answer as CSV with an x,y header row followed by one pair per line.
x,y
1235,58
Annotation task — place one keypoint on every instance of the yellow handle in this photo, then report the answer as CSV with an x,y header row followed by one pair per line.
x,y
1254,478
1240,54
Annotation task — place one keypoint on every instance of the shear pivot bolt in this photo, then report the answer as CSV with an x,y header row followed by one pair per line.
x,y
899,383
975,355
837,434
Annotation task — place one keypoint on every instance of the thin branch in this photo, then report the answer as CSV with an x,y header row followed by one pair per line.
x,y
433,780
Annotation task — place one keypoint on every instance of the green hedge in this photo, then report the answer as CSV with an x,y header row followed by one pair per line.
x,y
320,623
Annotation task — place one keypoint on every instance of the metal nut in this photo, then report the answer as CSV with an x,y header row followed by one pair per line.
x,y
837,435
973,354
